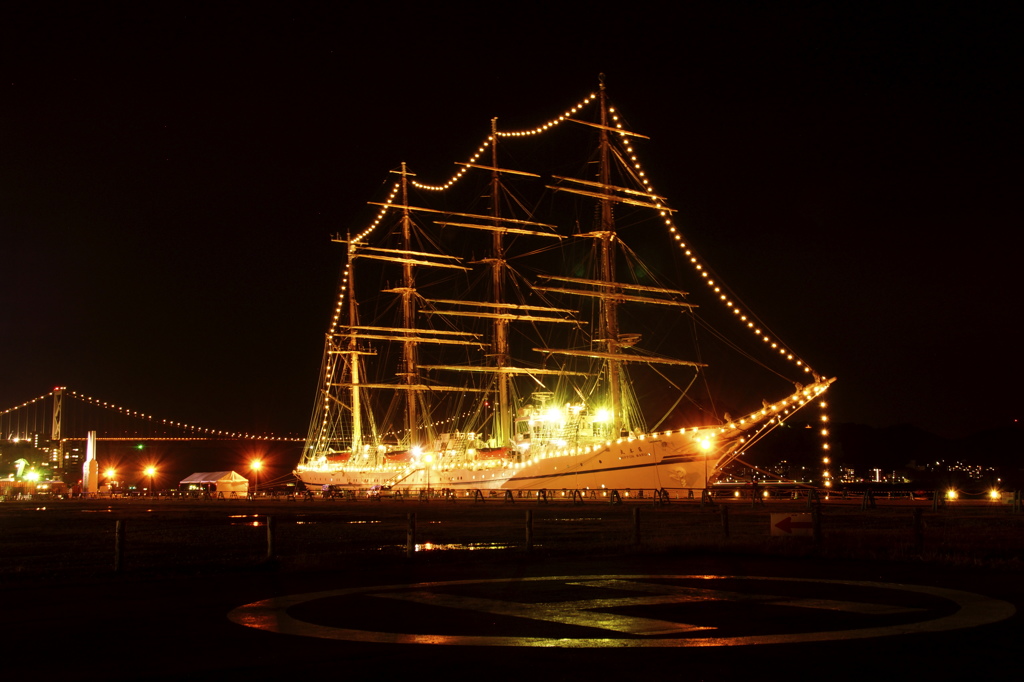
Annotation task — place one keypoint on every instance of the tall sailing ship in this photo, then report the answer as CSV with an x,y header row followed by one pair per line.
x,y
502,330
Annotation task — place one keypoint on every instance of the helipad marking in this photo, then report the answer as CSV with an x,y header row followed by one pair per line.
x,y
973,610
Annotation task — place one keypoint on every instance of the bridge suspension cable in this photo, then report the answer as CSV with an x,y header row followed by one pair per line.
x,y
64,414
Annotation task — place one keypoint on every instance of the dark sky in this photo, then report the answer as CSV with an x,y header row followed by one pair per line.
x,y
170,176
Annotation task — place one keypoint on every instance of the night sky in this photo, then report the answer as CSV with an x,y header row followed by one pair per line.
x,y
170,176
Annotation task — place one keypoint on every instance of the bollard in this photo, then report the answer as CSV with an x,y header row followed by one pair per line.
x,y
725,521
636,525
270,539
705,498
529,530
410,536
119,545
918,530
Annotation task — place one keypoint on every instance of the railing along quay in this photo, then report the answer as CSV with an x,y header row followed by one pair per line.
x,y
753,496
177,533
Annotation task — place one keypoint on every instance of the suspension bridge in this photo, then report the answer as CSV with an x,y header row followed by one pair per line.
x,y
48,433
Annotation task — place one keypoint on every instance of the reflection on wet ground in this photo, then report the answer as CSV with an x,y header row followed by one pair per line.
x,y
432,547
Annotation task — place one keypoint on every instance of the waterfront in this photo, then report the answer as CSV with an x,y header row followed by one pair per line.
x,y
193,569
44,539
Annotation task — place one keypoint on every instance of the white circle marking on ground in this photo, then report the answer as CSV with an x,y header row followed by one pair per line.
x,y
972,610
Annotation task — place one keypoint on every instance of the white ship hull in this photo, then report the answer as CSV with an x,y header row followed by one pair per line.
x,y
672,460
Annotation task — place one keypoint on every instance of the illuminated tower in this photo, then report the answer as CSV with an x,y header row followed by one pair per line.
x,y
90,468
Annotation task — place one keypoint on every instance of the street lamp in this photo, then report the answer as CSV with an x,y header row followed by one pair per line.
x,y
256,465
429,460
151,473
706,447
110,473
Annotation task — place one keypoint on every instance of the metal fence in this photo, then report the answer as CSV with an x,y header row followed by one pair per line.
x,y
171,534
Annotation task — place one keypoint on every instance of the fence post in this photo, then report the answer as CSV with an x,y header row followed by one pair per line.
x,y
410,536
270,538
119,545
529,530
725,520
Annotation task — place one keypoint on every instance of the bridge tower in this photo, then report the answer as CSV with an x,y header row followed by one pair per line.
x,y
55,425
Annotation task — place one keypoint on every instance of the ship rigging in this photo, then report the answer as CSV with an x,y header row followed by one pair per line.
x,y
522,341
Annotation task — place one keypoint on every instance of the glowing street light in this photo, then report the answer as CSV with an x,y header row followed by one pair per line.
x,y
705,445
429,461
151,473
256,465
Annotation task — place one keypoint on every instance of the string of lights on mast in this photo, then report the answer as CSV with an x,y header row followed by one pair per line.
x,y
723,293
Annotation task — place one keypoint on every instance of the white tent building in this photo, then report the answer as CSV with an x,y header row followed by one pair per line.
x,y
217,482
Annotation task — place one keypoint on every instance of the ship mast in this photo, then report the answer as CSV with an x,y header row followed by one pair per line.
x,y
608,326
502,423
353,353
409,373
608,344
